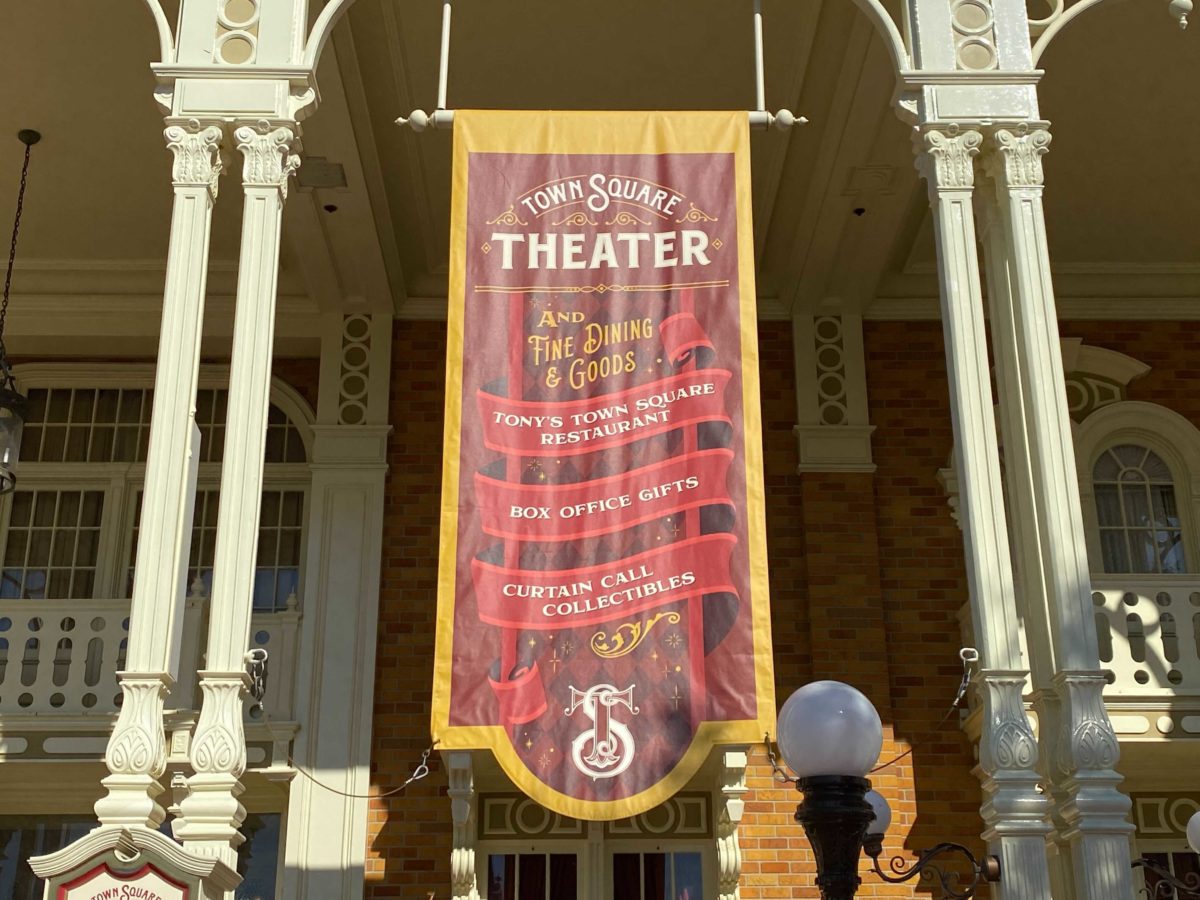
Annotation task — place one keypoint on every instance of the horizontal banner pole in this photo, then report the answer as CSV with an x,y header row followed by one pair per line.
x,y
760,119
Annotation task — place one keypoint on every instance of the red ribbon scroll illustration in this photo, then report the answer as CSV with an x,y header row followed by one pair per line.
x,y
603,616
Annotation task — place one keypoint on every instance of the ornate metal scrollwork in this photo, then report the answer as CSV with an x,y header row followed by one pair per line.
x,y
1168,886
983,870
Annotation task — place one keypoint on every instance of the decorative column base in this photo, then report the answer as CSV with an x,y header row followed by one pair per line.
x,y
1094,813
1015,811
137,754
211,814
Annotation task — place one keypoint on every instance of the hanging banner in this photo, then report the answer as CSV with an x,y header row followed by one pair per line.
x,y
603,616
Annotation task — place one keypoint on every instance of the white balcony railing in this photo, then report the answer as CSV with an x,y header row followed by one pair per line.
x,y
1149,631
61,657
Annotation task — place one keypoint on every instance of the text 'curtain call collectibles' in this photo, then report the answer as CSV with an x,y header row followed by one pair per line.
x,y
603,616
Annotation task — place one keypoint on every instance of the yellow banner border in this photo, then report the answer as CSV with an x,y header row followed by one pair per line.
x,y
503,131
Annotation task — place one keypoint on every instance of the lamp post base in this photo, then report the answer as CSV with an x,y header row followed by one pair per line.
x,y
835,816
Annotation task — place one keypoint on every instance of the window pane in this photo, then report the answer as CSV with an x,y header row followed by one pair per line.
x,y
1130,456
1113,551
277,574
24,836
48,553
564,876
1156,470
1108,505
1162,499
531,876
1143,552
627,876
689,879
1137,505
258,857
502,877
654,876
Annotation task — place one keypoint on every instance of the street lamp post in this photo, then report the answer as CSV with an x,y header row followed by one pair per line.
x,y
830,737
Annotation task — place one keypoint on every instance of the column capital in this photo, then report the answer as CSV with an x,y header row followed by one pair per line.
x,y
945,156
268,154
1015,157
197,149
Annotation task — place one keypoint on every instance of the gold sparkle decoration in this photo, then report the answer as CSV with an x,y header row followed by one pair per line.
x,y
486,248
717,243
673,640
627,636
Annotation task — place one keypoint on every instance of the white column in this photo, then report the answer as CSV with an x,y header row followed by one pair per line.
x,y
1014,812
326,847
1092,813
136,754
211,813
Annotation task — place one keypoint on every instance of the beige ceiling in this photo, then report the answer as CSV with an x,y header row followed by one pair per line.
x,y
840,220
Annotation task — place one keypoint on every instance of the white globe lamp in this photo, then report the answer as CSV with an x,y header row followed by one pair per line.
x,y
829,728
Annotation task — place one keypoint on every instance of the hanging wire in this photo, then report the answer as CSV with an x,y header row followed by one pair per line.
x,y
256,666
969,657
780,775
28,137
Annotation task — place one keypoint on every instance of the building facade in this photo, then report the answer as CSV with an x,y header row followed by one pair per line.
x,y
980,422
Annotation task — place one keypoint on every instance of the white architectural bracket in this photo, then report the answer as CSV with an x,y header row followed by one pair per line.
x,y
832,431
462,813
730,808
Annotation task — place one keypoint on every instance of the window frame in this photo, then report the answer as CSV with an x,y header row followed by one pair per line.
x,y
121,482
1175,440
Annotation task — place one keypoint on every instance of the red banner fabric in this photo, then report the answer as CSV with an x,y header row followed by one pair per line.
x,y
596,423
570,598
568,512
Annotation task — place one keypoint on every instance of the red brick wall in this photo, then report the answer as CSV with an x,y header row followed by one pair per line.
x,y
1169,348
866,580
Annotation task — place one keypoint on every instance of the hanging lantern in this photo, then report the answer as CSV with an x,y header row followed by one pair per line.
x,y
12,404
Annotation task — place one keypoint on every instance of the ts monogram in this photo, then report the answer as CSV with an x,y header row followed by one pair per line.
x,y
611,742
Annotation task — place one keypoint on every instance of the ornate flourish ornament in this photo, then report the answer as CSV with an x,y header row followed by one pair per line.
x,y
626,636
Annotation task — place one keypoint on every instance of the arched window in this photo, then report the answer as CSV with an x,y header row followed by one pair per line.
x,y
1137,513
70,530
